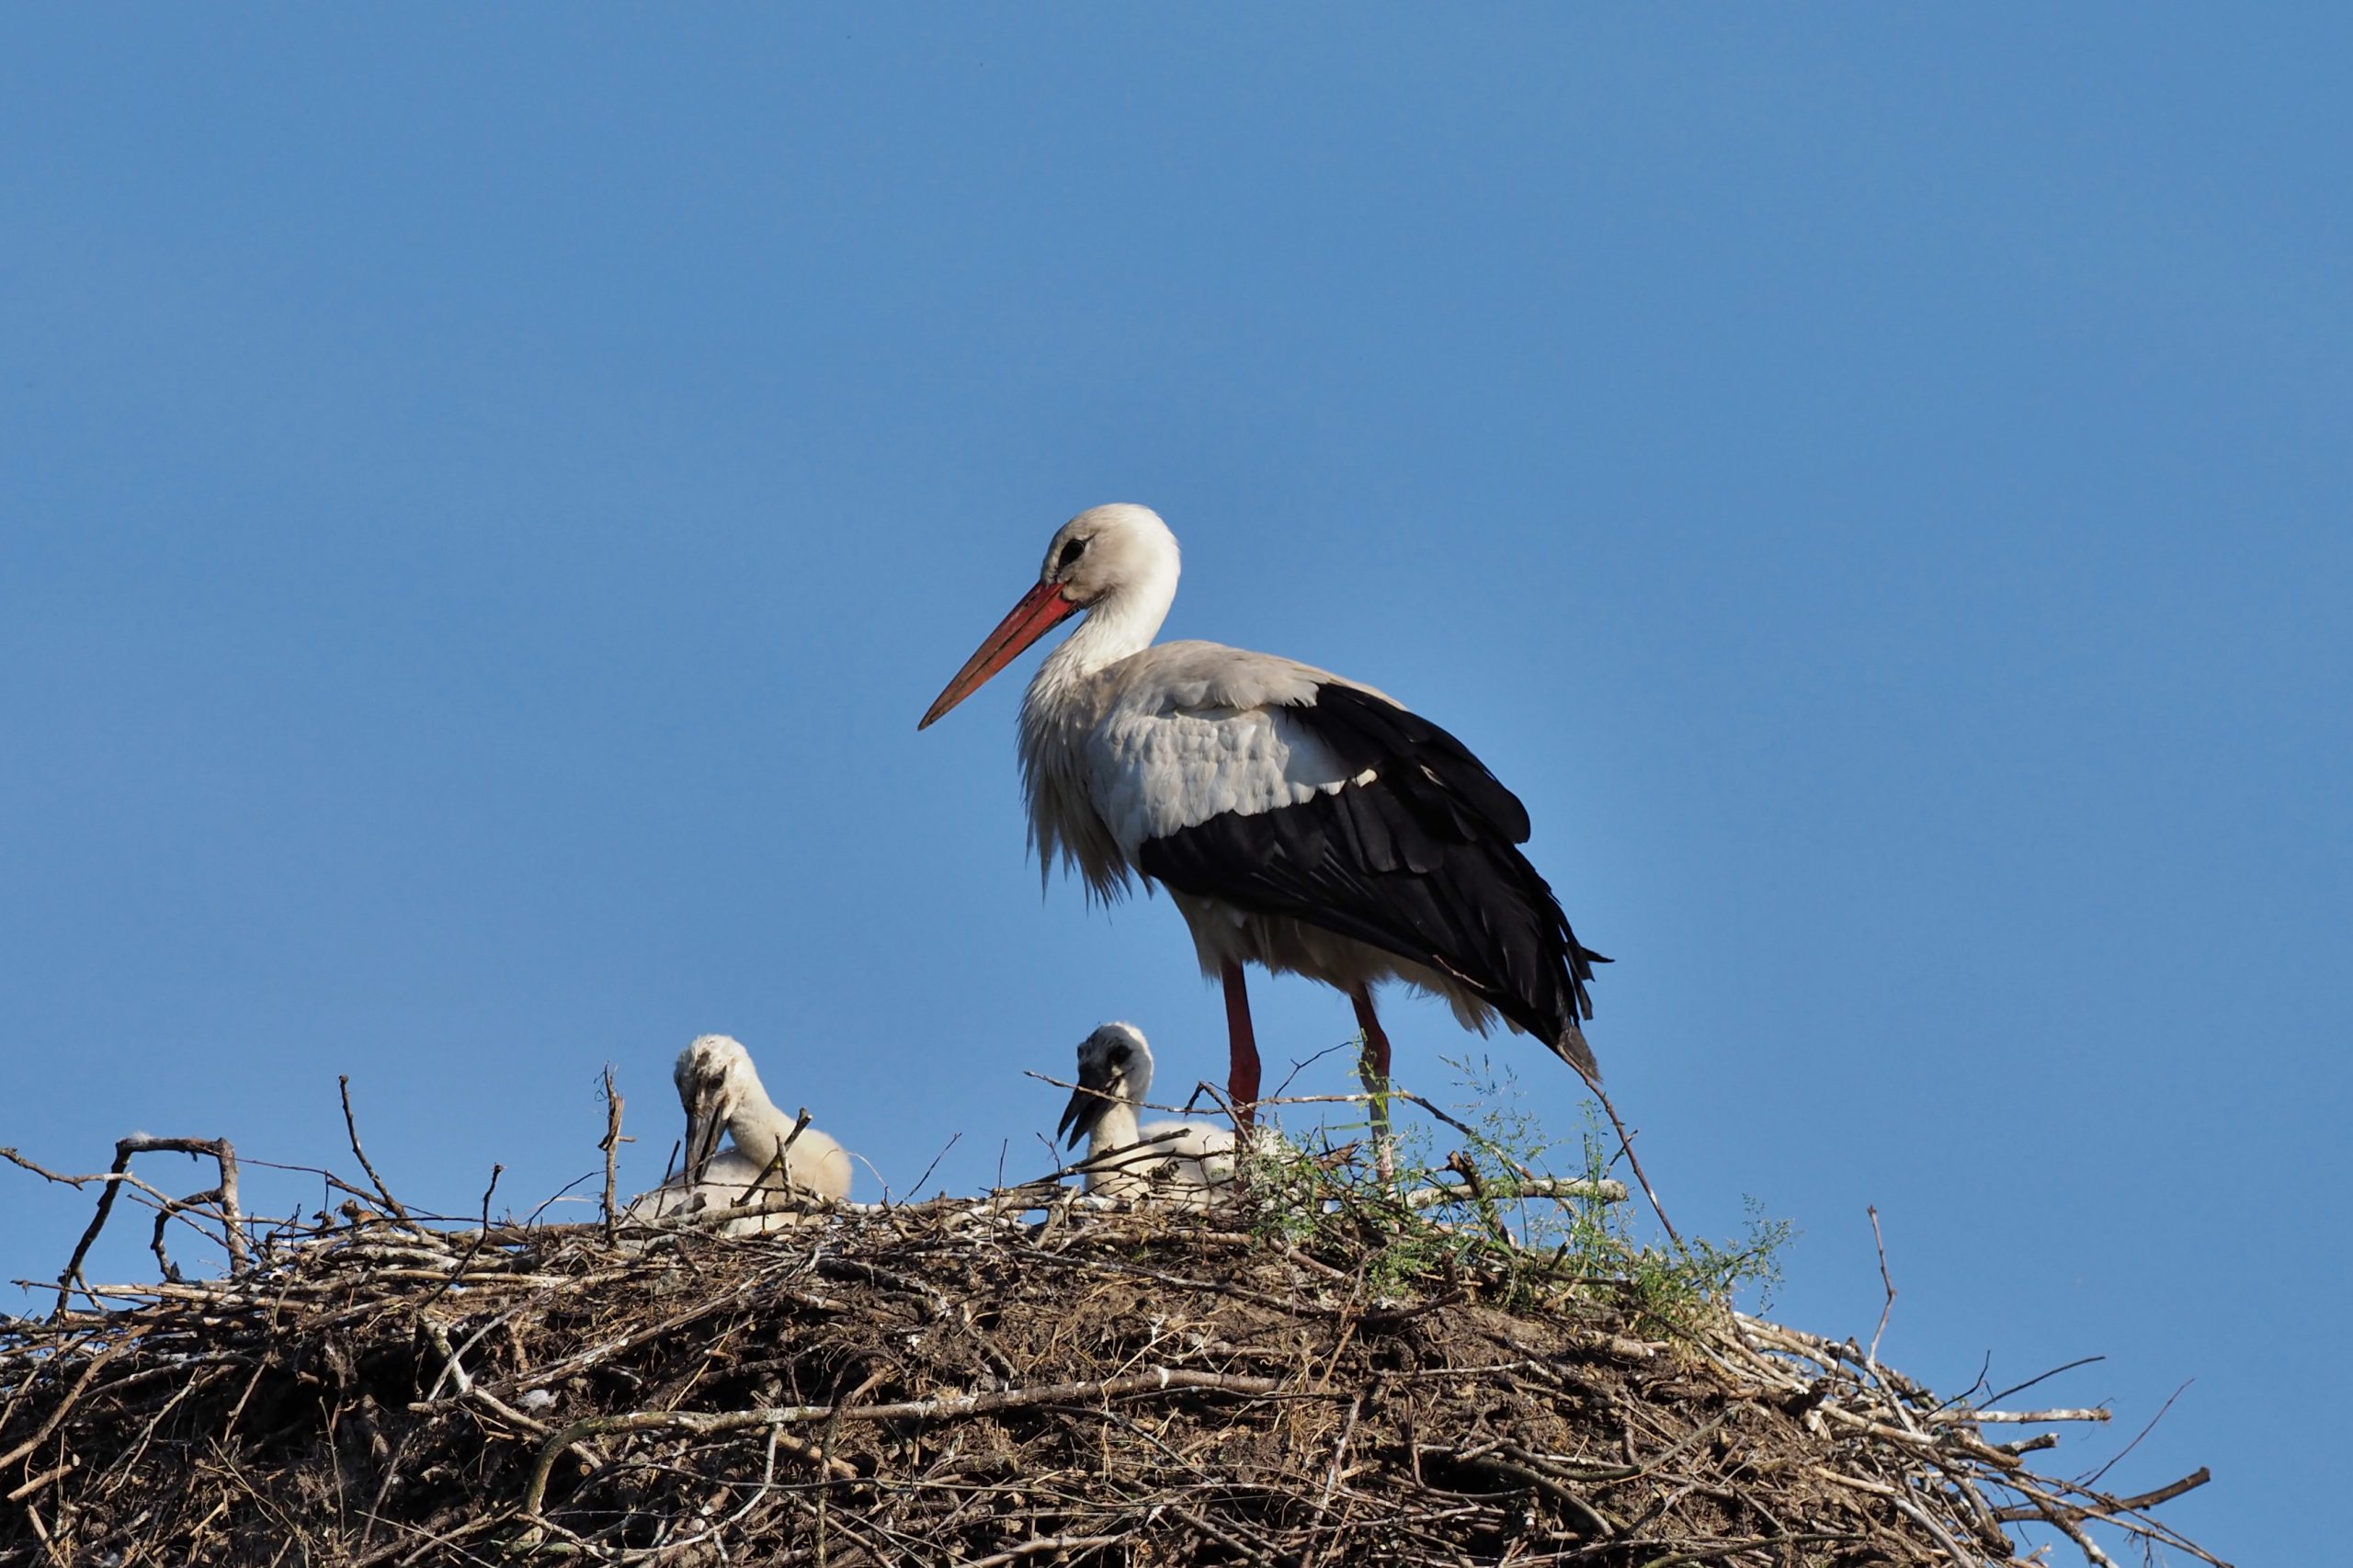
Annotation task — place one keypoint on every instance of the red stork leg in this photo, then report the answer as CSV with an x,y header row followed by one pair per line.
x,y
1372,1070
1242,1081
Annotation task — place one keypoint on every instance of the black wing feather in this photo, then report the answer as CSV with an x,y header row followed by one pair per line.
x,y
1423,862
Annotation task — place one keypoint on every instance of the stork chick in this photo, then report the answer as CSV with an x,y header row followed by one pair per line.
x,y
723,1094
1185,1164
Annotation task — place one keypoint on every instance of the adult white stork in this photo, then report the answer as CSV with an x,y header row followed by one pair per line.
x,y
1301,821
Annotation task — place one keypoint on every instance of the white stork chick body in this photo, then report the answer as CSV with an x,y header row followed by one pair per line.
x,y
1183,1164
722,1093
1300,821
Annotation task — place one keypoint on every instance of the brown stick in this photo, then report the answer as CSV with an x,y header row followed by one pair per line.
x,y
1225,1539
942,1408
351,1126
1634,1162
611,1146
1562,1188
232,1223
1042,1544
480,1239
119,1175
64,1407
2191,1482
72,1462
1872,1360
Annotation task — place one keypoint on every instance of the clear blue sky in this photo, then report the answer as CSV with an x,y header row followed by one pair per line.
x,y
485,495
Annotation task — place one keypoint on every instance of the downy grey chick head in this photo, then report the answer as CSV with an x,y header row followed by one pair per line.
x,y
715,1079
1114,1067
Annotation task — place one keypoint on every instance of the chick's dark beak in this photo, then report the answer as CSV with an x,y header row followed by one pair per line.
x,y
1086,1108
705,1122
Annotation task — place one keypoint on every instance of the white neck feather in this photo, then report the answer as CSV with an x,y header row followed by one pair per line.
x,y
1116,1129
758,1126
1064,824
1123,621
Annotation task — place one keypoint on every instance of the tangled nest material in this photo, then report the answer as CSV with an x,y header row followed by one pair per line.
x,y
990,1381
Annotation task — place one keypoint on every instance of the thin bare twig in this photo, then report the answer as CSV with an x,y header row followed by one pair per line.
x,y
2042,1377
1871,1358
2094,1479
1634,1162
611,1145
351,1128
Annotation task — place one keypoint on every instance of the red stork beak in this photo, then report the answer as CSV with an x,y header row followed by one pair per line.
x,y
1039,609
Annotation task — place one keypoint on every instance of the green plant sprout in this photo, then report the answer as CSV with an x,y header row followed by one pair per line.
x,y
1477,1193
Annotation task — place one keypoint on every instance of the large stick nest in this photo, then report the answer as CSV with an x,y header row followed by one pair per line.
x,y
990,1381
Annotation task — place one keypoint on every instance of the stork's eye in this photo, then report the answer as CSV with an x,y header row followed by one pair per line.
x,y
1071,551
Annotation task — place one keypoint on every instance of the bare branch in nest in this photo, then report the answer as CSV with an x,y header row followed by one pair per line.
x,y
611,1145
1871,1358
1634,1162
351,1130
2117,1457
1563,1189
221,1198
2166,1494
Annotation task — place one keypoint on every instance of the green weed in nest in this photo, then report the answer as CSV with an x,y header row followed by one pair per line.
x,y
1481,1196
